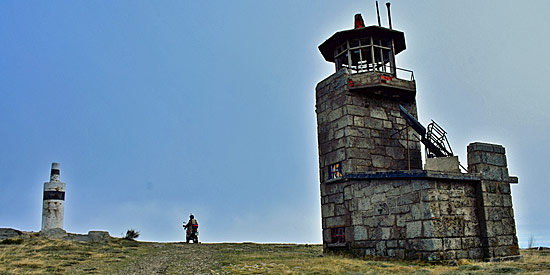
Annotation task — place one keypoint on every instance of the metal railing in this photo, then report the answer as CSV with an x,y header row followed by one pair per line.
x,y
363,68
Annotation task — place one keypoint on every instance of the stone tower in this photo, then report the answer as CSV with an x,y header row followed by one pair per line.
x,y
53,201
376,198
360,128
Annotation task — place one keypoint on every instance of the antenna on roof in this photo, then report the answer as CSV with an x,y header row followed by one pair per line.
x,y
389,14
378,14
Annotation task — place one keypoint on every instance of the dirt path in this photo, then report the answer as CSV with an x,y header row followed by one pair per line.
x,y
176,258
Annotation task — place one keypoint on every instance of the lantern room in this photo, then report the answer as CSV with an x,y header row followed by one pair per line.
x,y
364,49
368,56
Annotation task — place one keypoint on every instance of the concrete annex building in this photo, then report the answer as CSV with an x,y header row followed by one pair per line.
x,y
376,197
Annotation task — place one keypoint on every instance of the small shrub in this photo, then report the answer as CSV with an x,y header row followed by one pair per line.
x,y
11,241
131,234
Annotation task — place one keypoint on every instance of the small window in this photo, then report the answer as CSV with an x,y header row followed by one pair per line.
x,y
335,171
338,235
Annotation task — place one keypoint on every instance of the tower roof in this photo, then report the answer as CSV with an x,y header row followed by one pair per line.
x,y
327,48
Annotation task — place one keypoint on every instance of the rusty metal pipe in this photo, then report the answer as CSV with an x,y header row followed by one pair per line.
x,y
378,14
389,13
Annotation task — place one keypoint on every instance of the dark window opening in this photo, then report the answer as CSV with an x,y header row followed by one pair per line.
x,y
338,235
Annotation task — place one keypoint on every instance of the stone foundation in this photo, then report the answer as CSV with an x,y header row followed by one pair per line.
x,y
55,234
422,214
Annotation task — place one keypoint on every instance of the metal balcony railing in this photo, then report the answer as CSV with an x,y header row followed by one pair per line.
x,y
363,68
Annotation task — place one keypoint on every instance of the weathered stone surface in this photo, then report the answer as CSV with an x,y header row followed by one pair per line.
x,y
54,233
446,164
381,209
408,198
327,210
475,253
363,204
339,221
401,220
450,226
10,233
508,226
335,114
341,210
336,198
403,216
479,146
471,229
395,152
360,233
504,188
414,229
382,188
428,244
348,193
381,233
452,243
378,198
428,230
377,112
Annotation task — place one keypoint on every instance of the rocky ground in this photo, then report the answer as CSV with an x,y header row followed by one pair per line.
x,y
175,258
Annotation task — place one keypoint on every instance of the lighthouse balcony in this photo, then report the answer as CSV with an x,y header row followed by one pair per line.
x,y
382,83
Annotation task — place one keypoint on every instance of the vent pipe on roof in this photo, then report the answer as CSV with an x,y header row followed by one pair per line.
x,y
378,14
389,14
359,23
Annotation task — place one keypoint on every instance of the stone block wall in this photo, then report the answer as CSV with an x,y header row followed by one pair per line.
x,y
498,223
424,214
362,130
380,203
403,218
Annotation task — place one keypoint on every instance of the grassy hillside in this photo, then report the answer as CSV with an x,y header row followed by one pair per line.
x,y
118,256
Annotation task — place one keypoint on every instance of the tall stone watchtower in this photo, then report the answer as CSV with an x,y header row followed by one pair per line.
x,y
360,128
376,198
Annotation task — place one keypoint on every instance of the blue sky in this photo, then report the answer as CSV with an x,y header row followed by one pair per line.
x,y
158,109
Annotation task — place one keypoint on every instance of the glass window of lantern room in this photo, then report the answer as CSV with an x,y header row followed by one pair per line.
x,y
386,55
341,56
355,59
349,55
382,61
366,59
373,58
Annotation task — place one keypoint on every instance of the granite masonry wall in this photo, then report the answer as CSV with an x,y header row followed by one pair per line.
x,y
362,130
381,203
422,214
419,217
499,229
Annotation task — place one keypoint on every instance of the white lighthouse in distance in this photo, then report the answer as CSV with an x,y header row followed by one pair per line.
x,y
53,201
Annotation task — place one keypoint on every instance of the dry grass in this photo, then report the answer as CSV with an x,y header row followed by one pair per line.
x,y
39,256
296,259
